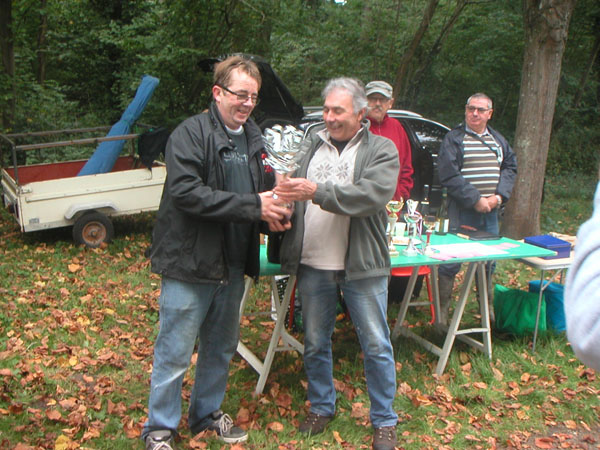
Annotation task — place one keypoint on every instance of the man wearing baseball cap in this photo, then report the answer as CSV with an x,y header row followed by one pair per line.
x,y
380,98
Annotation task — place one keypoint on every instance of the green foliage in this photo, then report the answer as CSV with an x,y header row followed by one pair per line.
x,y
98,50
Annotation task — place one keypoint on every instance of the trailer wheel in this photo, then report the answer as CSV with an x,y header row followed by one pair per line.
x,y
92,229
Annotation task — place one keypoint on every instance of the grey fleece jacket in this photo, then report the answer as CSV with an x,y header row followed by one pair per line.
x,y
582,291
375,175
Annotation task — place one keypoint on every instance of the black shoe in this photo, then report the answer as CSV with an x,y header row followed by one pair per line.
x,y
384,438
314,423
225,428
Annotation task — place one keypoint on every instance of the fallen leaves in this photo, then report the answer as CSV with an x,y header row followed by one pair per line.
x,y
81,334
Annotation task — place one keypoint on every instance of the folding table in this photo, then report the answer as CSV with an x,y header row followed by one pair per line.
x,y
511,249
558,266
281,340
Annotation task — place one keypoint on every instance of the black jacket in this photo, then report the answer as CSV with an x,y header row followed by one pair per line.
x,y
462,194
188,241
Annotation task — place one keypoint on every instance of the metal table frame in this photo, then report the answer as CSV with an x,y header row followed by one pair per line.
x,y
475,269
558,266
281,340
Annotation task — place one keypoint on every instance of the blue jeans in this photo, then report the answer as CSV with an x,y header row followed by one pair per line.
x,y
366,300
209,314
482,221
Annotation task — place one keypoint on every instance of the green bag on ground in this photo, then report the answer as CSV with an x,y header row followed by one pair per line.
x,y
515,311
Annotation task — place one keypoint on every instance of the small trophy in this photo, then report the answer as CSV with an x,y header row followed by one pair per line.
x,y
413,219
393,207
429,222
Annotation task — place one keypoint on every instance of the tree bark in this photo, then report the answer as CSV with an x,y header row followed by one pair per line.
x,y
546,29
41,44
8,62
413,86
401,75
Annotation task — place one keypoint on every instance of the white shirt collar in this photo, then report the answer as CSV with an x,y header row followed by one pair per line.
x,y
474,132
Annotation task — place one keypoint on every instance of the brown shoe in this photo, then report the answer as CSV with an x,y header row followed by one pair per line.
x,y
384,438
314,423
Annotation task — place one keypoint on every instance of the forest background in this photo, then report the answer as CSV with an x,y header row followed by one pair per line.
x,y
77,63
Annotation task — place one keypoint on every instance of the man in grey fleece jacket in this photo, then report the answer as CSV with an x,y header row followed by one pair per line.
x,y
338,240
582,291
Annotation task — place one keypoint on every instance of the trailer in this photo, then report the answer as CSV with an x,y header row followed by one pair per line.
x,y
47,195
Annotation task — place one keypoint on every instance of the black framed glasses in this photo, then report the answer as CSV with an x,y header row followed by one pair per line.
x,y
242,96
472,109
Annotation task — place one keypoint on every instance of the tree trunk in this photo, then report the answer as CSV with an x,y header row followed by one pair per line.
x,y
8,63
402,73
41,44
546,28
415,83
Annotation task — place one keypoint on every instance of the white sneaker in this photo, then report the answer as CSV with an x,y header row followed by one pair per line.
x,y
160,440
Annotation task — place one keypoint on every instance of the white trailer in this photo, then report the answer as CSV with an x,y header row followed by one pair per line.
x,y
51,195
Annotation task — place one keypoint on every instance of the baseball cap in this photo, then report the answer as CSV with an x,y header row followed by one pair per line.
x,y
380,87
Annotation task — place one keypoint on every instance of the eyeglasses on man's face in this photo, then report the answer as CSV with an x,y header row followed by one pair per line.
x,y
243,96
472,109
377,99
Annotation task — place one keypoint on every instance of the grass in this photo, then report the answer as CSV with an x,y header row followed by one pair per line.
x,y
77,327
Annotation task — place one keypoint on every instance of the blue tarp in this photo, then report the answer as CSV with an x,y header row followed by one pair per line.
x,y
106,154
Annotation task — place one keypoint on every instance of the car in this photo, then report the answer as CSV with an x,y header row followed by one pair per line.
x,y
425,136
279,107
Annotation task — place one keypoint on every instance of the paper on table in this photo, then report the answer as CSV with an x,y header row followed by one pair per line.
x,y
505,245
467,250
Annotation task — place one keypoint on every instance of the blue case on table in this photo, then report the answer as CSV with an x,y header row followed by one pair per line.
x,y
562,248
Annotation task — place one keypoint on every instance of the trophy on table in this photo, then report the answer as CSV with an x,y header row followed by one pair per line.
x,y
393,207
429,222
413,222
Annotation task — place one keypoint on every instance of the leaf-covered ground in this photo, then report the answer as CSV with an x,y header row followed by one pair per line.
x,y
76,332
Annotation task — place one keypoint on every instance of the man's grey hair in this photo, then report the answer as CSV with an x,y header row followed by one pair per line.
x,y
481,95
351,85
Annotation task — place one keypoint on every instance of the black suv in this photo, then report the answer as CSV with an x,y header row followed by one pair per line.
x,y
425,138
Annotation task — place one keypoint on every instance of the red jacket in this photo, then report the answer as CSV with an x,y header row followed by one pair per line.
x,y
392,129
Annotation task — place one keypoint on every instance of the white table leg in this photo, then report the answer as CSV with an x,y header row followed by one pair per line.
x,y
288,342
543,285
456,317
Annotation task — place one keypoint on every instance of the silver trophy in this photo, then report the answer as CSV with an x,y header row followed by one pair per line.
x,y
413,219
283,148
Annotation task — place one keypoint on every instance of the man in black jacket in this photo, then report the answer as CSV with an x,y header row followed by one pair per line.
x,y
205,239
479,168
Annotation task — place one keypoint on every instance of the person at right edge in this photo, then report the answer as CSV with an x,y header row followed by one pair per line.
x,y
478,167
582,291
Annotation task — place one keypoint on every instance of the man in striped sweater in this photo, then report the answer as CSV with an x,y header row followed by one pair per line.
x,y
479,168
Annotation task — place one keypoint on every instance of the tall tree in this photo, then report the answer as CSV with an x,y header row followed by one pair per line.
x,y
8,63
400,84
41,43
546,24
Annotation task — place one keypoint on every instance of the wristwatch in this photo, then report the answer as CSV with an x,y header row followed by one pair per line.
x,y
499,197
